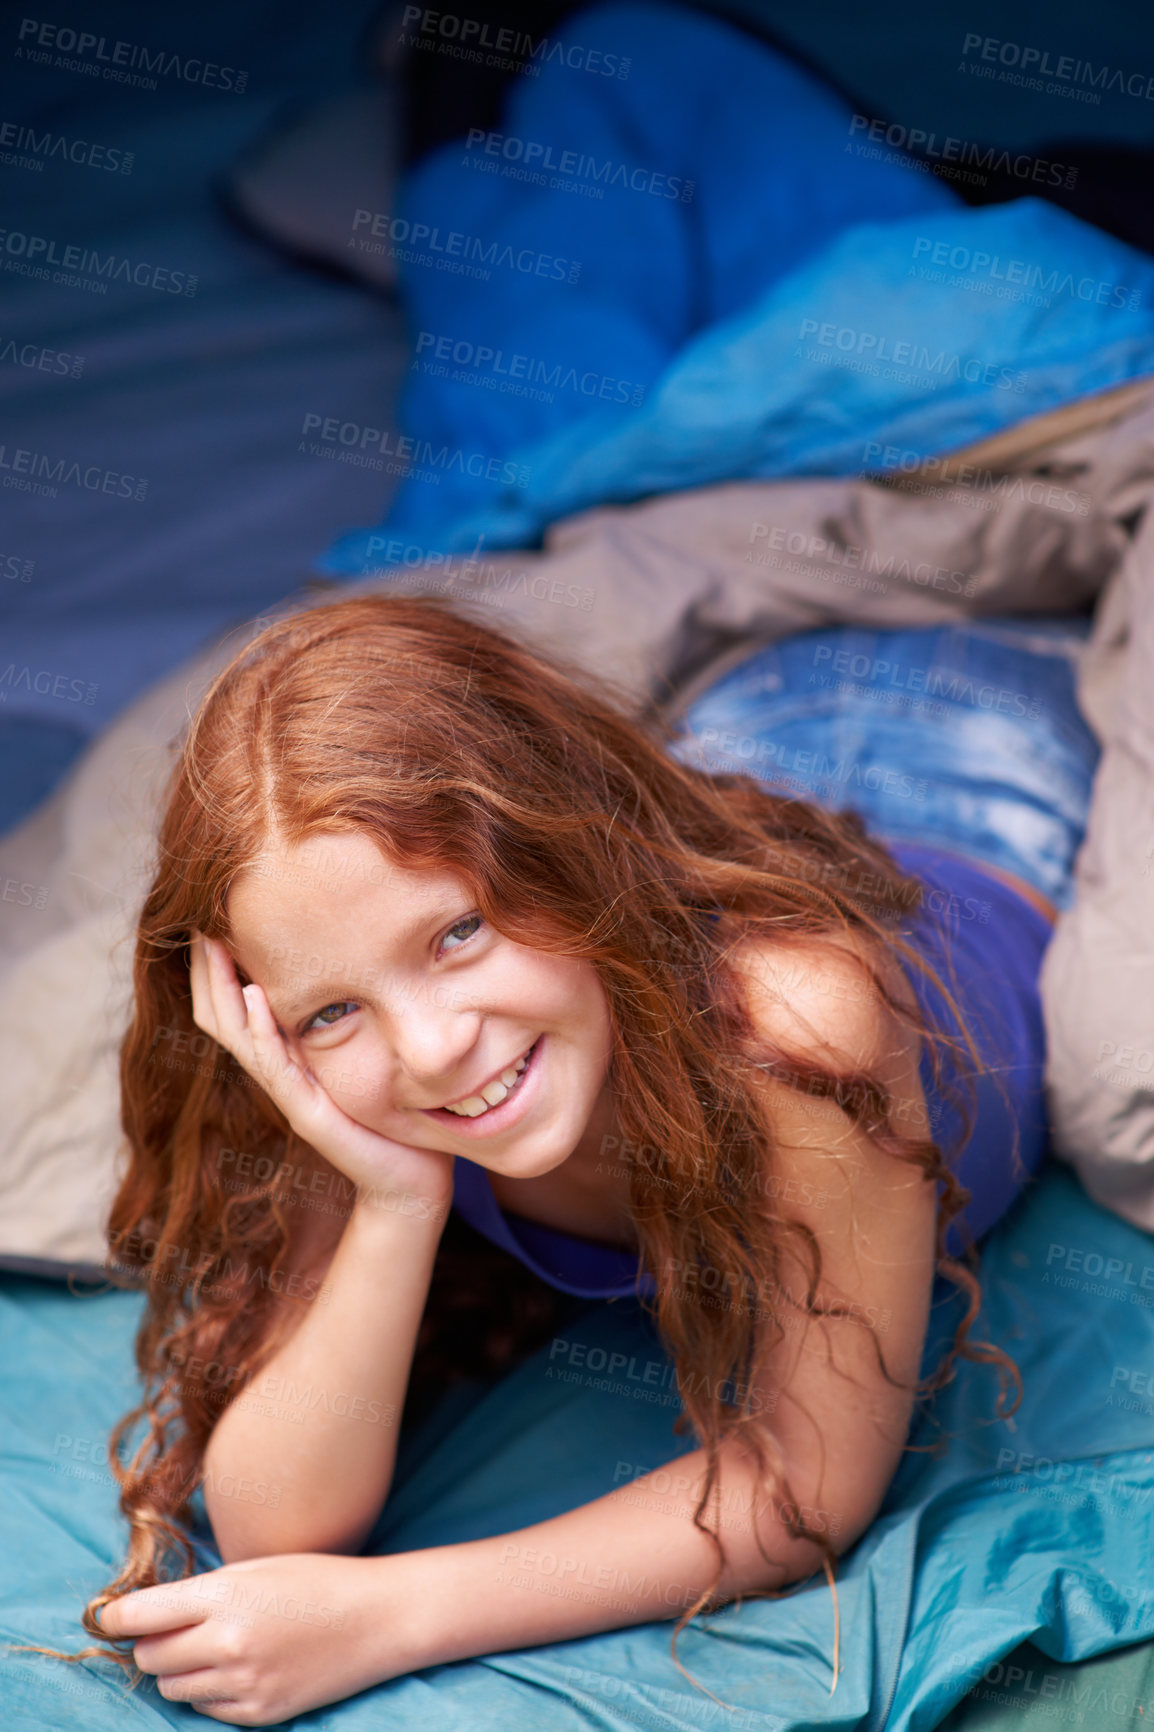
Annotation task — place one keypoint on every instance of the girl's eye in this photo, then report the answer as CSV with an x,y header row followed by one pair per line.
x,y
462,930
325,1019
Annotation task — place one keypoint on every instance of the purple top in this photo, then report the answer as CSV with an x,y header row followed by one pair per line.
x,y
995,944
579,1266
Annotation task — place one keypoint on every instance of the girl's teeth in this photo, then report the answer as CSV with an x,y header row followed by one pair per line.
x,y
492,1094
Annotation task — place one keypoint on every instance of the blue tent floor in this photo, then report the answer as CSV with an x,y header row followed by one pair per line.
x,y
1027,1690
968,1576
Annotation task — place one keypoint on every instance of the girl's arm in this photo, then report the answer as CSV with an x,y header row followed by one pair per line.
x,y
258,1642
316,1429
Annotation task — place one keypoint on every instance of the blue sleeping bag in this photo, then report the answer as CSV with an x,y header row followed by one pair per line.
x,y
736,279
1037,1527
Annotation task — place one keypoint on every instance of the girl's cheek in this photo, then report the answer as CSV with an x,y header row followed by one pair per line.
x,y
346,1074
343,1083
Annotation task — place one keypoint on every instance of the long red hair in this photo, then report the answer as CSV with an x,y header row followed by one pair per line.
x,y
452,745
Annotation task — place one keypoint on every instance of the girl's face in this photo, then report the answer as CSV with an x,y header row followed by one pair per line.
x,y
422,1021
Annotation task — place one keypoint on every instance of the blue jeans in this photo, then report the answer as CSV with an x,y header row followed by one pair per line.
x,y
967,737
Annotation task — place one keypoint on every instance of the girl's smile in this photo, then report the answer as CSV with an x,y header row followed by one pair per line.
x,y
500,1103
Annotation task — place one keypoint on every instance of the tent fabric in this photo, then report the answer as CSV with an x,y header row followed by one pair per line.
x,y
1034,1528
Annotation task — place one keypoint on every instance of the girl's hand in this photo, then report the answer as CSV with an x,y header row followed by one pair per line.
x,y
257,1642
241,1021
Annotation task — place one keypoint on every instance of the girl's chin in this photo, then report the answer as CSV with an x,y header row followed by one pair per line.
x,y
533,1163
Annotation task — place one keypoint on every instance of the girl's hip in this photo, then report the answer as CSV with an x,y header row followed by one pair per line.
x,y
967,736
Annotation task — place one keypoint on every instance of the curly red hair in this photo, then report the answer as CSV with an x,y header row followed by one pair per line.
x,y
453,745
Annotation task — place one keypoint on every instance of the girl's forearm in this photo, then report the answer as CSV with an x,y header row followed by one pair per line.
x,y
303,1458
631,1557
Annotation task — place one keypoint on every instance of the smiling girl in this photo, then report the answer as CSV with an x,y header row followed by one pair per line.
x,y
469,941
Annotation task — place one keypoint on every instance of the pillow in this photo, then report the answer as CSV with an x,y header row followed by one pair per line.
x,y
303,184
77,870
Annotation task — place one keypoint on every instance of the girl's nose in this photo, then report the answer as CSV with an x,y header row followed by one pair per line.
x,y
433,1041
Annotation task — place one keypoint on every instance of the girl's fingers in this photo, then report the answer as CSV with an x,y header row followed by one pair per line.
x,y
269,1050
207,1004
227,1001
217,1004
303,1100
176,1650
202,1009
204,1689
149,1611
259,1020
241,1019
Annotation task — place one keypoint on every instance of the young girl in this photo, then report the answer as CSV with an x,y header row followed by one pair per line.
x,y
439,927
